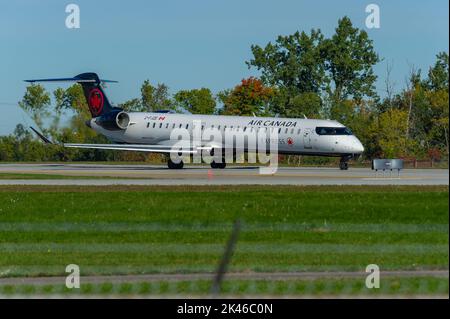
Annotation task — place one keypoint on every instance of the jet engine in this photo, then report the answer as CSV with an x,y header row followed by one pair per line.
x,y
116,120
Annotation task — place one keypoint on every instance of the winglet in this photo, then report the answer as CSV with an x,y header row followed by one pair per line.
x,y
42,137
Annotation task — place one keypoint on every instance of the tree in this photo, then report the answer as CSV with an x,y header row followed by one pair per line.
x,y
438,134
343,111
437,102
438,74
341,66
248,98
35,102
294,64
196,101
72,99
350,58
155,98
305,104
133,105
390,132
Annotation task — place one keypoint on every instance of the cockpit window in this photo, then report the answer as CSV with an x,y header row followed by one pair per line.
x,y
333,131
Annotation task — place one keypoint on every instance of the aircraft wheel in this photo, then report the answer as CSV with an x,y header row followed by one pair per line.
x,y
218,165
343,166
173,165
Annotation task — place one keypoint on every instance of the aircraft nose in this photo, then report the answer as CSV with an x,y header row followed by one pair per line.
x,y
358,147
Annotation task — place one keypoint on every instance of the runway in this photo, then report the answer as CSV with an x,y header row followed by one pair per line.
x,y
99,174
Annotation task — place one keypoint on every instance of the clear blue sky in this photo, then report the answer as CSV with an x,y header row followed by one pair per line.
x,y
191,43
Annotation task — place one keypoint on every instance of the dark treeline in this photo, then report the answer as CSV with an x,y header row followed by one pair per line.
x,y
303,74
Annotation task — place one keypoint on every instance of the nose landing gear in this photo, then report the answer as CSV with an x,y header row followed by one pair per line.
x,y
343,164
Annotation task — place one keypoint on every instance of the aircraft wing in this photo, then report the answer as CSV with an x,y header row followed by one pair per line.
x,y
137,147
183,149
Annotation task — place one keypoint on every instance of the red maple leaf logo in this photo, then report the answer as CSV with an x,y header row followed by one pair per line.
x,y
95,102
290,141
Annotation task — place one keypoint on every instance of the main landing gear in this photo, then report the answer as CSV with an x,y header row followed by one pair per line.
x,y
173,165
215,164
218,165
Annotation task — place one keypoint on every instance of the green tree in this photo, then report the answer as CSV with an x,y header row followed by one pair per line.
x,y
305,104
294,64
196,101
438,134
133,105
349,61
155,98
438,74
35,103
390,133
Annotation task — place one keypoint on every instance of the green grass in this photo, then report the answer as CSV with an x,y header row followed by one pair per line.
x,y
122,230
405,286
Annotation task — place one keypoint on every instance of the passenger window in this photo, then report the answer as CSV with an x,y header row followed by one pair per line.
x,y
245,128
167,125
218,127
173,126
187,126
148,124
279,130
292,131
285,132
181,125
154,125
160,125
298,132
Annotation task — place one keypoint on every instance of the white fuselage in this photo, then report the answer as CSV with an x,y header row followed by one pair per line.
x,y
294,136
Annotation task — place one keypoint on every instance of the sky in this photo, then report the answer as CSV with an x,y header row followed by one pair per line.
x,y
190,44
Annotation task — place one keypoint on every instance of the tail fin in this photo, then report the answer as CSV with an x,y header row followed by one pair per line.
x,y
93,92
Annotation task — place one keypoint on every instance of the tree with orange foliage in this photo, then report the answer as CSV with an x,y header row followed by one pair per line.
x,y
250,97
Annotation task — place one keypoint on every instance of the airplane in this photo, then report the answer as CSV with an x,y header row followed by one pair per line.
x,y
151,131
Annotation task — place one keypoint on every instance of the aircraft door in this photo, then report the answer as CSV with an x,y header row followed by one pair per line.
x,y
307,138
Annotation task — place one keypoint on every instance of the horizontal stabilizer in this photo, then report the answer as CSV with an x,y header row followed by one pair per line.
x,y
41,136
75,79
92,89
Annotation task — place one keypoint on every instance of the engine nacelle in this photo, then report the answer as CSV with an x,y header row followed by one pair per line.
x,y
116,120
